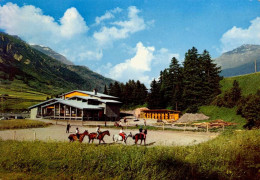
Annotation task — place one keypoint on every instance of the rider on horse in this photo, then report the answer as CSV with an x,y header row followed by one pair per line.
x,y
141,131
121,133
98,130
77,132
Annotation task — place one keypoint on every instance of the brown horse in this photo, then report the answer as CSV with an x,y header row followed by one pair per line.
x,y
100,137
73,137
140,136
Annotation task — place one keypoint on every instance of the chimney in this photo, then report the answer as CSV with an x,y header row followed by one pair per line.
x,y
95,91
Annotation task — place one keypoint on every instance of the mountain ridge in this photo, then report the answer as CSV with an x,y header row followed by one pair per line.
x,y
48,51
240,60
18,60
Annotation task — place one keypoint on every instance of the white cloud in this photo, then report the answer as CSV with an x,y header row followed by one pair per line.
x,y
121,29
108,15
68,35
135,67
72,23
142,66
237,36
26,21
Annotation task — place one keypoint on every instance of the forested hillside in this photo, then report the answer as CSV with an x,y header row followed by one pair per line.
x,y
42,73
28,76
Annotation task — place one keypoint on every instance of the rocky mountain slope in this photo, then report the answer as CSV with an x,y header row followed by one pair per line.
x,y
49,52
19,61
240,60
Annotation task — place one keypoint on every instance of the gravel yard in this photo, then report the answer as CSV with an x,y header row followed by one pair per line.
x,y
58,133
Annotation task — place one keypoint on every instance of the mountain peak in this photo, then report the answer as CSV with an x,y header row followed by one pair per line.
x,y
240,60
49,52
245,48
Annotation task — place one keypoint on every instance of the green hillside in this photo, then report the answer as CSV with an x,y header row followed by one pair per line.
x,y
17,96
249,83
19,61
28,76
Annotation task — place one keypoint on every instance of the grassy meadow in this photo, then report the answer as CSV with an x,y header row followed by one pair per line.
x,y
232,155
19,96
21,124
248,83
226,114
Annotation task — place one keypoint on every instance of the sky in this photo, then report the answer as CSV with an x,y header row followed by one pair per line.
x,y
132,39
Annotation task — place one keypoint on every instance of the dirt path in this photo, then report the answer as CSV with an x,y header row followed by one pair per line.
x,y
58,133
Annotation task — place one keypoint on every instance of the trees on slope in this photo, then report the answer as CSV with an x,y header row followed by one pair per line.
x,y
194,84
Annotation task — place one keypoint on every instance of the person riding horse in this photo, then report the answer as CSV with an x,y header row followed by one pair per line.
x,y
77,132
121,133
98,131
140,136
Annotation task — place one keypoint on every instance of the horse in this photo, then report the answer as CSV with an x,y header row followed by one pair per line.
x,y
73,137
117,137
100,137
140,136
116,124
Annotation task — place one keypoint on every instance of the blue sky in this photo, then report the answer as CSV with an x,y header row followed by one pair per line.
x,y
132,39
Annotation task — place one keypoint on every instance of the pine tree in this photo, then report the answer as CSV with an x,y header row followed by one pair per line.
x,y
154,98
192,80
211,78
235,94
175,76
164,92
105,90
115,90
140,93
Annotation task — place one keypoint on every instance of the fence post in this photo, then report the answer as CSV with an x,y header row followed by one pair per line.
x,y
223,127
34,135
185,127
14,135
207,127
163,126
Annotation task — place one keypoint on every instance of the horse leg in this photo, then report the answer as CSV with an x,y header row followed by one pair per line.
x,y
144,141
141,141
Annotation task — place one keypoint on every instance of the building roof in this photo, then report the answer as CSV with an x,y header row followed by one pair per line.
x,y
160,110
109,101
84,97
76,104
49,100
100,95
94,98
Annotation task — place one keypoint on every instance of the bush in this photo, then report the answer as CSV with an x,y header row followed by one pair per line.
x,y
193,109
250,109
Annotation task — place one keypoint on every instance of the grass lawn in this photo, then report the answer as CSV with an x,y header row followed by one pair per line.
x,y
21,124
226,114
232,155
248,83
19,96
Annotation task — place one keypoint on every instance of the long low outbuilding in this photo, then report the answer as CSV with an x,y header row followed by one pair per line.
x,y
79,105
163,114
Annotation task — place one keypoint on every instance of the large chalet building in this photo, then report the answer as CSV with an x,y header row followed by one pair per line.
x,y
78,105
